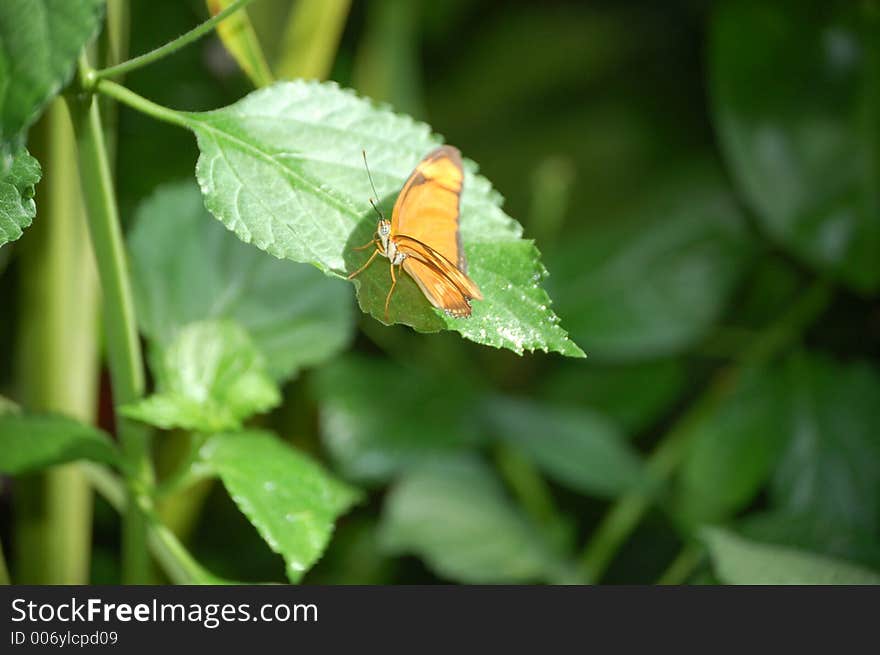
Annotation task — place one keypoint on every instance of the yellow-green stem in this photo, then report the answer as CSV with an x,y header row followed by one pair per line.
x,y
57,360
683,565
123,349
386,65
311,38
171,555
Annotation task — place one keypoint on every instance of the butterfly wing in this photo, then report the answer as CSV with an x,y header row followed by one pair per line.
x,y
438,289
424,254
427,208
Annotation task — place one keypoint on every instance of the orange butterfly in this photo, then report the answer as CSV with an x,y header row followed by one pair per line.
x,y
423,237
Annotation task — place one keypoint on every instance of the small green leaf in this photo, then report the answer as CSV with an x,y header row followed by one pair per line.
x,y
39,43
735,449
831,465
290,500
652,281
29,442
740,561
369,410
577,447
455,516
241,41
282,168
210,379
187,268
17,206
801,135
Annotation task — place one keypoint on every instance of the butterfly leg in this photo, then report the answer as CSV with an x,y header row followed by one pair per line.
x,y
362,268
369,243
390,291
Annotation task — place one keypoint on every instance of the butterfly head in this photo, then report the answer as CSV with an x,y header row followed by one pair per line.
x,y
383,231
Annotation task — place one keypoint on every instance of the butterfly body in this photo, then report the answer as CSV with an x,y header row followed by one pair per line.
x,y
389,248
422,236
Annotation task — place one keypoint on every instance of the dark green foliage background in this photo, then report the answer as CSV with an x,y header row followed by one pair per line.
x,y
689,171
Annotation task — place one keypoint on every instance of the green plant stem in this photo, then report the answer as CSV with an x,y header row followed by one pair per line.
x,y
385,65
683,565
57,360
528,486
172,556
4,572
123,346
141,104
625,514
182,482
169,48
311,38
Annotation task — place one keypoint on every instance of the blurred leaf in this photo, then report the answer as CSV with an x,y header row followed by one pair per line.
x,y
290,499
815,534
17,206
800,134
310,41
578,448
281,169
379,418
740,561
354,557
30,441
831,467
735,449
187,268
210,379
633,395
456,517
8,406
652,281
241,41
41,41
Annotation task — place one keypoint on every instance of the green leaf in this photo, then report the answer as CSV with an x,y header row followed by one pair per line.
x,y
831,466
455,516
735,449
187,268
740,561
290,500
378,418
29,442
17,206
815,534
39,43
609,389
8,406
801,134
210,379
652,281
241,41
282,168
578,448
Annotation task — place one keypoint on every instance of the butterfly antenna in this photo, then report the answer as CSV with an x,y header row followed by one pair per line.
x,y
373,186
